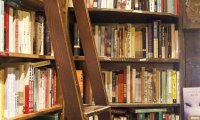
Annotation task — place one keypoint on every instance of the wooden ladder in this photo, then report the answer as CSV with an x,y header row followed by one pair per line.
x,y
73,104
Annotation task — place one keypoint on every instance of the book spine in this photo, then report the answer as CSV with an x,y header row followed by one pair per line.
x,y
6,27
11,31
178,86
155,38
2,91
150,41
2,26
128,4
174,86
128,78
54,87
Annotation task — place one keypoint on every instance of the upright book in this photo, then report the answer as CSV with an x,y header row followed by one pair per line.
x,y
191,97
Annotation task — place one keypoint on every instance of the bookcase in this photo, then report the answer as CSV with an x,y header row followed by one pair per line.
x,y
28,82
127,51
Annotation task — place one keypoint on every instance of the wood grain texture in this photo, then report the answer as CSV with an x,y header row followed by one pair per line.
x,y
91,58
192,50
38,113
64,60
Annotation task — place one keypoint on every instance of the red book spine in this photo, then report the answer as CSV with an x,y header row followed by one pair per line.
x,y
26,99
175,7
46,90
54,88
6,28
31,97
120,88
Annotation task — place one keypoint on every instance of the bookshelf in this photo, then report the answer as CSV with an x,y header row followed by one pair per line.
x,y
56,108
27,56
106,16
18,59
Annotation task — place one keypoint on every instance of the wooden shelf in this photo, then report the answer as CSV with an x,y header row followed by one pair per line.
x,y
38,113
143,105
139,60
33,4
94,110
105,15
22,55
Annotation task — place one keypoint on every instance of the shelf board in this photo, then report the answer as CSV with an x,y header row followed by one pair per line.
x,y
38,113
22,55
33,4
94,110
107,15
143,105
140,60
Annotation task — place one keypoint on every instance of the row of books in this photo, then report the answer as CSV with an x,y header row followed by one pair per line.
x,y
141,114
23,31
167,6
26,87
154,40
148,116
142,85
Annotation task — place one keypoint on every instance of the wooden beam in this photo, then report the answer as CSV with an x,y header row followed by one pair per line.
x,y
90,52
64,60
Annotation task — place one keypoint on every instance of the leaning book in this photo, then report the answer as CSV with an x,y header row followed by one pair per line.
x,y
191,98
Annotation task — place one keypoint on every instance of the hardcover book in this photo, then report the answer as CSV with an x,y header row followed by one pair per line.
x,y
191,97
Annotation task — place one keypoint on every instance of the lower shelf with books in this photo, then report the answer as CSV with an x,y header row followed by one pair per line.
x,y
144,114
28,89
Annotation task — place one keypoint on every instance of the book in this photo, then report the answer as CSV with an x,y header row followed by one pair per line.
x,y
150,110
191,97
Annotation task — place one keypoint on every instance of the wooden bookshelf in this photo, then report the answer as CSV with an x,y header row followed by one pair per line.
x,y
38,113
100,15
33,4
22,55
143,105
140,60
94,110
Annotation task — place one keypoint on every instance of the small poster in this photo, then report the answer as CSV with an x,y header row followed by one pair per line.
x,y
191,99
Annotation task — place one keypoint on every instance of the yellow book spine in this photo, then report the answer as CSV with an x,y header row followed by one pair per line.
x,y
174,86
2,82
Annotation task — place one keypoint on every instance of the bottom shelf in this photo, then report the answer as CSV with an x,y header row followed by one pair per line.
x,y
94,110
38,113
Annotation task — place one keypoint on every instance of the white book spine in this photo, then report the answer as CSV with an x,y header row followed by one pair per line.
x,y
128,4
133,84
129,41
11,31
173,41
169,86
176,44
152,5
110,86
103,3
128,77
159,6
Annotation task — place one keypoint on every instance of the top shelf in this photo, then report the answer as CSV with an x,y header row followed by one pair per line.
x,y
125,16
114,15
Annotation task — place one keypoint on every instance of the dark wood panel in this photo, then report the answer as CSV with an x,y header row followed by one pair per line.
x,y
192,49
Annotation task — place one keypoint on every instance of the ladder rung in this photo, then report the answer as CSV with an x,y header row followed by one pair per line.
x,y
90,110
